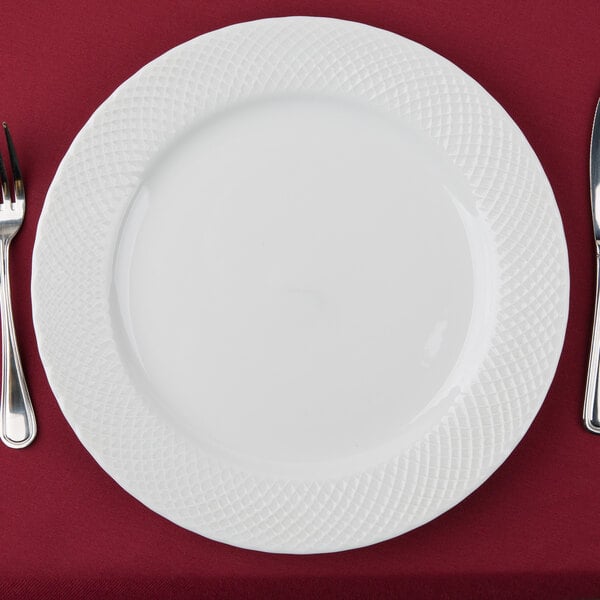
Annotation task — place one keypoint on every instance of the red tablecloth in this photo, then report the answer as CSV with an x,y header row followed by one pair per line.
x,y
531,531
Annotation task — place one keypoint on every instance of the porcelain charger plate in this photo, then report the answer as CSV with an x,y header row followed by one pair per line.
x,y
300,285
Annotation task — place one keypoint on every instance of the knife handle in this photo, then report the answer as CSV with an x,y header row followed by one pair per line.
x,y
591,407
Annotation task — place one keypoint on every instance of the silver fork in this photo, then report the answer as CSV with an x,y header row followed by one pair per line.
x,y
18,426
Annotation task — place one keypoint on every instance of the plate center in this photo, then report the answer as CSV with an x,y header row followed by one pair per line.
x,y
295,280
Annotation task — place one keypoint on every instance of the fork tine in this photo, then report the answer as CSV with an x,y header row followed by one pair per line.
x,y
4,182
14,163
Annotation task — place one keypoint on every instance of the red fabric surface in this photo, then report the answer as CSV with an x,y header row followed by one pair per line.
x,y
531,531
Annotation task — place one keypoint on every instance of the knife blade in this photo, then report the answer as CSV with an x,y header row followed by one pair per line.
x,y
591,407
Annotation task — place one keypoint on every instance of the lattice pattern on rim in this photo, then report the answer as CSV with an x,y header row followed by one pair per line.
x,y
72,268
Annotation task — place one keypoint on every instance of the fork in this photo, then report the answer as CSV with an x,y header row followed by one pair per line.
x,y
18,426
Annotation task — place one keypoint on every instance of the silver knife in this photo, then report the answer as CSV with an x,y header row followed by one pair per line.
x,y
591,408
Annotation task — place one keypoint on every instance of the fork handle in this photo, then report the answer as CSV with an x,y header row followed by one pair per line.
x,y
591,407
18,419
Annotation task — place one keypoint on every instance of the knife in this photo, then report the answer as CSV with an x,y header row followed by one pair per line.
x,y
591,408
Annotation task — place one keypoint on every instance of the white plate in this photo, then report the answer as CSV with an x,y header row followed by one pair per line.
x,y
300,285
